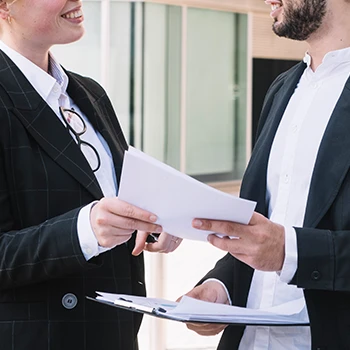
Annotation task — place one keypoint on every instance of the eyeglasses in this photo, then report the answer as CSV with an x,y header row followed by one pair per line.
x,y
76,124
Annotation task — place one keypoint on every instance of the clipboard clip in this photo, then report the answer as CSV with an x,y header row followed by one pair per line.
x,y
131,305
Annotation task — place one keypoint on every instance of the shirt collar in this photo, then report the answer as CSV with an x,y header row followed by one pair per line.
x,y
58,73
307,59
332,57
41,81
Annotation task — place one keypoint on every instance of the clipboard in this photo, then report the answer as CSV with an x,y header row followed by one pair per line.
x,y
165,309
131,306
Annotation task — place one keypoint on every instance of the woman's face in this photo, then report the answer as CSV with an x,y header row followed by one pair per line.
x,y
43,23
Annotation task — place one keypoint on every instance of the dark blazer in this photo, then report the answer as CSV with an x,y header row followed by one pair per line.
x,y
323,242
44,182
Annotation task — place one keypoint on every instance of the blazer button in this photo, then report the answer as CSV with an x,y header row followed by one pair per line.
x,y
315,275
69,301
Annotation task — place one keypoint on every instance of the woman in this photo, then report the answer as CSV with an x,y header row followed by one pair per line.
x,y
63,232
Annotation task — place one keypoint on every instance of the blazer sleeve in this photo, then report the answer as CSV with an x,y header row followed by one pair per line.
x,y
323,259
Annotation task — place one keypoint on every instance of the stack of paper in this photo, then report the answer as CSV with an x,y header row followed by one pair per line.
x,y
193,310
176,198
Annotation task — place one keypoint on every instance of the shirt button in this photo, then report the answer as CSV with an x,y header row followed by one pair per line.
x,y
314,85
56,89
69,301
315,275
286,178
87,250
295,128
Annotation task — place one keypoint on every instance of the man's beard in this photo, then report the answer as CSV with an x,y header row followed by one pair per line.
x,y
300,21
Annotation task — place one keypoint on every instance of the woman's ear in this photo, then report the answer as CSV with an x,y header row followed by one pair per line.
x,y
4,10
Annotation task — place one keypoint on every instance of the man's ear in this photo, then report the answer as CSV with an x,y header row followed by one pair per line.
x,y
4,10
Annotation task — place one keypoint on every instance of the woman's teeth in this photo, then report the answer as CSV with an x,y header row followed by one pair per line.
x,y
71,15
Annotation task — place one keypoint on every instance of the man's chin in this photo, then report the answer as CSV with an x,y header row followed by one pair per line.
x,y
277,28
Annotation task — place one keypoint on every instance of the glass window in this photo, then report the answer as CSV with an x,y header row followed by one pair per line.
x,y
216,95
210,121
120,62
162,78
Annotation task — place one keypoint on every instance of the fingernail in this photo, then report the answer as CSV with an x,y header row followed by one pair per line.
x,y
153,218
159,229
135,252
197,223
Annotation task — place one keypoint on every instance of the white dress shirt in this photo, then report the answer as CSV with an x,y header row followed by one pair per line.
x,y
291,163
52,88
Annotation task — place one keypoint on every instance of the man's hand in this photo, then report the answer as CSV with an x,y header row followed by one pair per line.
x,y
113,221
260,244
210,291
165,244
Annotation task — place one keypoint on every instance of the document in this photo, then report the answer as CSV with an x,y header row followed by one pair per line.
x,y
194,310
175,197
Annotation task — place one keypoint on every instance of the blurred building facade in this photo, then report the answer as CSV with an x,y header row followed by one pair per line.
x,y
187,80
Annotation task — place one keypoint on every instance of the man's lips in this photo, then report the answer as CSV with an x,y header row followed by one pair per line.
x,y
275,7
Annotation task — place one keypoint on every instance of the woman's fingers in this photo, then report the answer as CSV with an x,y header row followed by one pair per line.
x,y
166,244
112,220
140,242
163,243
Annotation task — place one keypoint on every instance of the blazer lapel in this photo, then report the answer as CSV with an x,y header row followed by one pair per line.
x,y
44,126
254,181
102,116
332,163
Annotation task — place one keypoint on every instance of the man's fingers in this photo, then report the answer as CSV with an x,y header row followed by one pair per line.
x,y
195,293
226,228
206,329
256,218
207,291
224,243
179,299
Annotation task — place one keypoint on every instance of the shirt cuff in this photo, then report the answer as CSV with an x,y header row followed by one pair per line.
x,y
87,239
291,255
216,280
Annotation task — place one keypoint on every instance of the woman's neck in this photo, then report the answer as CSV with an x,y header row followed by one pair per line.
x,y
38,55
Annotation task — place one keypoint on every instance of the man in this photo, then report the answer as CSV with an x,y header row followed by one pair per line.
x,y
299,176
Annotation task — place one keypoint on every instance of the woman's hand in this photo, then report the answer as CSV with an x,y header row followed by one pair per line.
x,y
114,221
165,243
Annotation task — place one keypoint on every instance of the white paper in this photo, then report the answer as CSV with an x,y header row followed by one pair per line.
x,y
189,309
176,198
